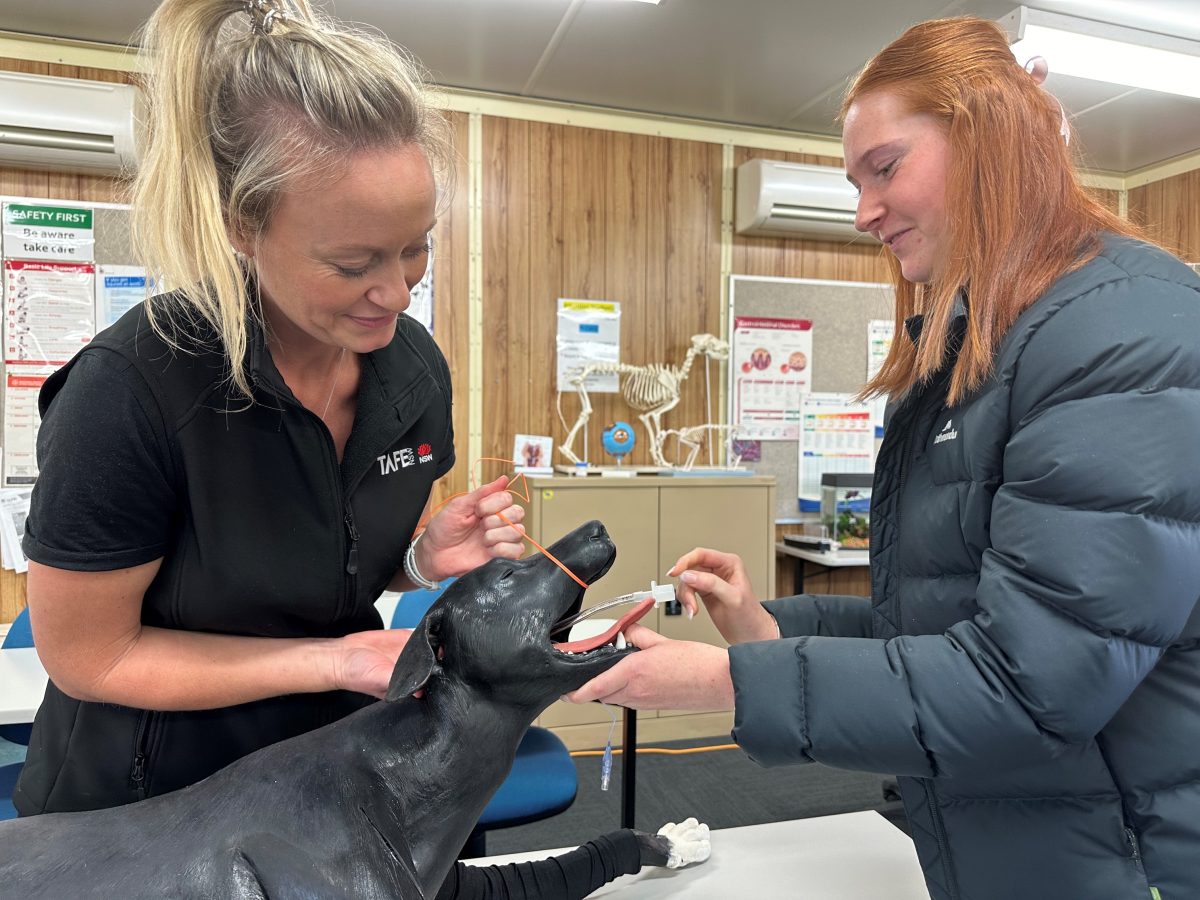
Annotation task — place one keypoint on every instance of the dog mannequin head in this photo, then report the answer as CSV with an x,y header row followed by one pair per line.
x,y
512,607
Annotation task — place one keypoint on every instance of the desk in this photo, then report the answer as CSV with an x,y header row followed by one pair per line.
x,y
834,559
22,685
856,856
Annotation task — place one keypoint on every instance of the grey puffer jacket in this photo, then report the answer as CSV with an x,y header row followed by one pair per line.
x,y
1029,662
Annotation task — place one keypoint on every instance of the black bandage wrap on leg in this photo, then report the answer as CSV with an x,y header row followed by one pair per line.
x,y
568,876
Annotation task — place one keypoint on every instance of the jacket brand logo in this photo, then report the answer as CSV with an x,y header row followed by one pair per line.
x,y
403,458
948,432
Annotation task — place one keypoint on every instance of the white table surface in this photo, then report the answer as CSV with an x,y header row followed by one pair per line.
x,y
834,558
22,685
855,856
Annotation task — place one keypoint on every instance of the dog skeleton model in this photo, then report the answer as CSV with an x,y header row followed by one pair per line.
x,y
375,805
693,438
652,389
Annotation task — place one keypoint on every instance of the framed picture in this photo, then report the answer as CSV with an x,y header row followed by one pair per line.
x,y
532,454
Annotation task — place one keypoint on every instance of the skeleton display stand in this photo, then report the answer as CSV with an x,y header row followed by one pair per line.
x,y
652,389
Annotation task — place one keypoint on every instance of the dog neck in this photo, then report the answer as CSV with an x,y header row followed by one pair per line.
x,y
437,760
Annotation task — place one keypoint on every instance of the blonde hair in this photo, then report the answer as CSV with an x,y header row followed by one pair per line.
x,y
234,114
1018,216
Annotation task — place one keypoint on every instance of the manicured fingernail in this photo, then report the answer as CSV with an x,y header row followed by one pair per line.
x,y
688,577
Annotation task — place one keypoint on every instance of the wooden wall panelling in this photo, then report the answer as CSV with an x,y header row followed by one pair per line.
x,y
658,306
12,594
601,216
693,257
1170,212
505,233
584,229
627,250
544,177
523,362
1111,200
792,258
451,259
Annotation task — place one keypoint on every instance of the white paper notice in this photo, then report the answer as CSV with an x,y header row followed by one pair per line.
x,y
49,311
118,290
773,366
14,508
879,342
836,435
420,304
49,232
589,331
21,421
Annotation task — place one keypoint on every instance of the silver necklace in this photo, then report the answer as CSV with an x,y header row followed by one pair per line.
x,y
337,368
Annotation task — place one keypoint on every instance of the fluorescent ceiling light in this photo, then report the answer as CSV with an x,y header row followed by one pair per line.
x,y
1102,52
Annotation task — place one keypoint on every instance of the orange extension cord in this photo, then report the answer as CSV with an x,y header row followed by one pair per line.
x,y
665,751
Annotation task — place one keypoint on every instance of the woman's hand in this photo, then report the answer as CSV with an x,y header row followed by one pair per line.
x,y
469,530
663,674
719,580
364,661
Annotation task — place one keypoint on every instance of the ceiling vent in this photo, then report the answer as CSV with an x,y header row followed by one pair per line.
x,y
784,199
65,124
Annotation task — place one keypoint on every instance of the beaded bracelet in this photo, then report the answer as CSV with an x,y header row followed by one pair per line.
x,y
410,567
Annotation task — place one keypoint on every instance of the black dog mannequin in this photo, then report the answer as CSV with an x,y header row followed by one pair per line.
x,y
373,806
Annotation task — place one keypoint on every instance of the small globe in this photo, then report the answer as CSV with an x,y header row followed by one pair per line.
x,y
618,439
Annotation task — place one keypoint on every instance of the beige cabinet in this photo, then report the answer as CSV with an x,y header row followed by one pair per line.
x,y
653,520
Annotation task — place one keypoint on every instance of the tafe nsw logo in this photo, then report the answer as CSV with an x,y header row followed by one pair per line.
x,y
403,458
948,432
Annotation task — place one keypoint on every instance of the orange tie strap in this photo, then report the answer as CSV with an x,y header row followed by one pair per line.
x,y
503,518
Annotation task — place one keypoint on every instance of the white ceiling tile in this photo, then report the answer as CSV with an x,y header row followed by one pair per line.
x,y
771,63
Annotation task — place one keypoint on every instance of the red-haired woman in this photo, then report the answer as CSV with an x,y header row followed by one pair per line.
x,y
1029,661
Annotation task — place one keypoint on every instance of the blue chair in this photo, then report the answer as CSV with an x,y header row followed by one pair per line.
x,y
8,781
20,634
543,780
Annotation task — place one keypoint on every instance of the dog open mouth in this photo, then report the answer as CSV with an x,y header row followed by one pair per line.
x,y
610,637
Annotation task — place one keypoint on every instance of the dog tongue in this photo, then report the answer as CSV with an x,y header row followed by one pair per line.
x,y
600,640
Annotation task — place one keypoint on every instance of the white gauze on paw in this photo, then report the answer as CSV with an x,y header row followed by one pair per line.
x,y
689,843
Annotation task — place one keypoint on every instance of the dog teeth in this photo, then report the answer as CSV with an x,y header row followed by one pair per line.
x,y
620,641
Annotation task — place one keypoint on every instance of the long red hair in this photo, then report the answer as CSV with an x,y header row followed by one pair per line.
x,y
1019,218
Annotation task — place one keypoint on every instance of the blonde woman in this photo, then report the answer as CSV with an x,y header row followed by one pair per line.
x,y
1029,660
231,475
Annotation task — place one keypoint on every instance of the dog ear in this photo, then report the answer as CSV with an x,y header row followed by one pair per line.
x,y
417,659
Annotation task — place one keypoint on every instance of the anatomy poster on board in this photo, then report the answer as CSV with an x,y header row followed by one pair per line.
x,y
772,368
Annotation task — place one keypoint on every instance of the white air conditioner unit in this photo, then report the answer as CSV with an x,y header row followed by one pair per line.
x,y
796,200
65,123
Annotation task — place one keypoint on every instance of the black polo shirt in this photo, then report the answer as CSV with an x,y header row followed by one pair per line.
x,y
145,453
